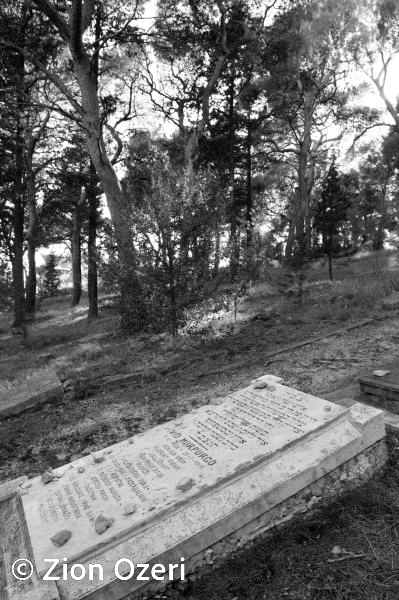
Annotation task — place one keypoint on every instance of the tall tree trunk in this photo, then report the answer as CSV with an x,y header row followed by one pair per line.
x,y
18,208
32,239
234,233
18,249
133,310
292,206
172,288
76,253
216,261
249,181
379,238
92,249
303,187
31,139
289,246
330,273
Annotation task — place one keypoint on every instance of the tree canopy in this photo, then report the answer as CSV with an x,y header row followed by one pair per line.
x,y
170,147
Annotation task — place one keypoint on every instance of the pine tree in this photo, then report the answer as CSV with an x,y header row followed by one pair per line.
x,y
331,213
51,280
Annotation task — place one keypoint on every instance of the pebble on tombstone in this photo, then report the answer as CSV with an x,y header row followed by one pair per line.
x,y
381,372
26,485
216,401
98,457
48,475
129,508
185,484
262,385
61,537
102,523
59,472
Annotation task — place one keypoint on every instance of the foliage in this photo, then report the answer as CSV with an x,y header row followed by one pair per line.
x,y
175,215
372,193
331,213
5,286
51,279
107,259
254,101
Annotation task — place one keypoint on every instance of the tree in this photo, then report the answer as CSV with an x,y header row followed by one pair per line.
x,y
385,39
32,137
64,210
51,280
24,121
69,211
306,60
203,64
331,213
173,210
192,52
92,195
12,111
111,27
371,190
373,43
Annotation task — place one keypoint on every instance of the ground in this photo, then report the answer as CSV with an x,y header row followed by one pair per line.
x,y
349,551
227,343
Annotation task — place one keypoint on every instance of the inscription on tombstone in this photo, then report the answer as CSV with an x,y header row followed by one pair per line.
x,y
166,467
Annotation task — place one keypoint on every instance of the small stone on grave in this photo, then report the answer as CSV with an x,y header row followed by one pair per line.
x,y
185,484
62,537
102,523
381,372
129,508
48,475
98,457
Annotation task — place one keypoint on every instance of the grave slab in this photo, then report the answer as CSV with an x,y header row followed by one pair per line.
x,y
38,388
189,485
391,302
351,394
384,387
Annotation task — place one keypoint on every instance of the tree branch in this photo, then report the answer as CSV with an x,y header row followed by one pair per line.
x,y
53,77
55,18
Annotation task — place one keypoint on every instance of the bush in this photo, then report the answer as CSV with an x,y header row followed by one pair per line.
x,y
51,280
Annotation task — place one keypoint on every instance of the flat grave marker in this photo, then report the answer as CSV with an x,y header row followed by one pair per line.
x,y
186,485
42,386
215,443
385,387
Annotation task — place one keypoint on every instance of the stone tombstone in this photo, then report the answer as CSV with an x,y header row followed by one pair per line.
x,y
41,386
382,385
188,484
